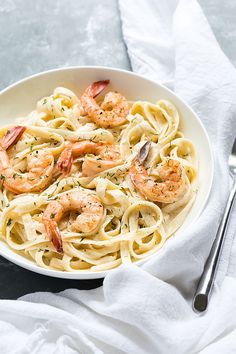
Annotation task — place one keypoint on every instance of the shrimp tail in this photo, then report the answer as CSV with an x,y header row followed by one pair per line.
x,y
12,136
97,87
53,231
144,152
64,162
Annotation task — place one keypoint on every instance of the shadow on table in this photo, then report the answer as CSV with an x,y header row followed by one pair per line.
x,y
16,281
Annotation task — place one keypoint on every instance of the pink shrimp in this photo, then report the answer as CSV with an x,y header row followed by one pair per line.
x,y
113,110
39,163
171,184
107,156
89,207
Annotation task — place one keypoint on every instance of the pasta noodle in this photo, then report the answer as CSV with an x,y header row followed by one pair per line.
x,y
132,228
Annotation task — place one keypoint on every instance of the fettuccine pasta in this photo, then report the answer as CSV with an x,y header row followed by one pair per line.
x,y
76,193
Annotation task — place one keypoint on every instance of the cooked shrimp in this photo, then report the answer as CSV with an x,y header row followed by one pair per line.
x,y
12,136
108,156
171,184
39,165
87,204
113,110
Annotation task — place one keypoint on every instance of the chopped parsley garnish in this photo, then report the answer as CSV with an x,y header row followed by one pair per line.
x,y
9,222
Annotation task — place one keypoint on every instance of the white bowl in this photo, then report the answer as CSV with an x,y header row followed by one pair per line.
x,y
19,99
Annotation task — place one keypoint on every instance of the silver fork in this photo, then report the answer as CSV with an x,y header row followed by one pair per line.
x,y
202,295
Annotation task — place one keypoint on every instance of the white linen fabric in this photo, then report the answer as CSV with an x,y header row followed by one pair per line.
x,y
148,310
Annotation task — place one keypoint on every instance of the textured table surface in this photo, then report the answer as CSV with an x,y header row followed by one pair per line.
x,y
39,35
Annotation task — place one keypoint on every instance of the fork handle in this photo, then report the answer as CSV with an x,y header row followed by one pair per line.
x,y
202,295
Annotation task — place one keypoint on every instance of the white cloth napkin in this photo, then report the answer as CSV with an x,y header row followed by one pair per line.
x,y
148,310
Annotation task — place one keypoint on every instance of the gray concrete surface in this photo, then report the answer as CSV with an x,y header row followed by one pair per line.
x,y
37,35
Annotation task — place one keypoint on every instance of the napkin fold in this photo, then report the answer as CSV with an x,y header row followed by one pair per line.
x,y
148,310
